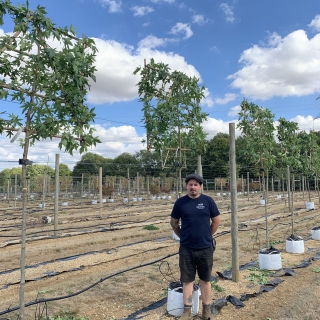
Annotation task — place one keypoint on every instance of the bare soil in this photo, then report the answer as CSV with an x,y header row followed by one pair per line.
x,y
132,266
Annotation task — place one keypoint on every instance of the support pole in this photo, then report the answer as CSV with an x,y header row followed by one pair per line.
x,y
199,170
100,189
56,194
44,190
234,205
248,183
15,190
288,188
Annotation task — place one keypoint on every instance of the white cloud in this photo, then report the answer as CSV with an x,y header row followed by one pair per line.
x,y
227,98
199,19
114,141
234,111
228,11
182,28
307,123
213,126
115,63
114,5
315,24
152,42
287,66
159,1
141,11
207,100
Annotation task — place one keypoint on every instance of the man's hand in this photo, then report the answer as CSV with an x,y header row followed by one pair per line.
x,y
175,226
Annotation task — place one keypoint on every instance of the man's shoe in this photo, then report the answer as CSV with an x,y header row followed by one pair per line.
x,y
206,312
186,313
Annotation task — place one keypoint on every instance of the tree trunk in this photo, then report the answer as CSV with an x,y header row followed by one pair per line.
x,y
24,218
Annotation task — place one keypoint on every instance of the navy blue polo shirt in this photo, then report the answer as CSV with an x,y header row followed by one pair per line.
x,y
195,215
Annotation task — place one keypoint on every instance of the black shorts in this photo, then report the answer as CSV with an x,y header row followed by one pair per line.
x,y
192,260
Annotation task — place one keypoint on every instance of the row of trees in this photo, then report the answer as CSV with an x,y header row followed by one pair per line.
x,y
300,151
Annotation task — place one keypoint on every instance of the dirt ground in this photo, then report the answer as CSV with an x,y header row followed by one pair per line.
x,y
106,265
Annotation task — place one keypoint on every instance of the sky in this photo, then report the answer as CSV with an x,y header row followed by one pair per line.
x,y
266,51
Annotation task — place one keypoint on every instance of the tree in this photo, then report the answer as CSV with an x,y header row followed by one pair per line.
x,y
310,156
289,152
172,112
149,163
46,70
38,170
64,170
123,162
256,124
217,155
90,164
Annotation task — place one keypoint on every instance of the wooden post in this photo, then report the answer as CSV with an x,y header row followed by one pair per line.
x,y
242,185
234,206
44,189
15,190
288,188
100,189
248,184
128,172
138,188
199,170
56,194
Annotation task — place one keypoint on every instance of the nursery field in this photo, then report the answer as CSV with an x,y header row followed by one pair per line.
x,y
117,262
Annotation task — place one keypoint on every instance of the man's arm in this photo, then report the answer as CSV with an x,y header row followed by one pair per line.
x,y
175,226
215,222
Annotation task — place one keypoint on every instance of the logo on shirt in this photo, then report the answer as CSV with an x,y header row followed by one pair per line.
x,y
200,206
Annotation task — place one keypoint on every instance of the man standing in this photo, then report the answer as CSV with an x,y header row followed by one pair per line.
x,y
200,219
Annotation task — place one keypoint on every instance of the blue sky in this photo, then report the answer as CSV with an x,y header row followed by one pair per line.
x,y
266,51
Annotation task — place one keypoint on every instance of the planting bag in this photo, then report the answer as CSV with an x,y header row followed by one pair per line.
x,y
294,238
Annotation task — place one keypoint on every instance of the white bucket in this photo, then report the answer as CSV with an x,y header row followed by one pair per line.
x,y
286,195
64,204
295,246
139,199
224,194
309,205
158,198
40,205
134,199
262,202
218,193
315,234
174,236
169,197
270,261
125,199
46,219
111,200
94,201
278,196
31,197
153,198
175,304
104,200
164,197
